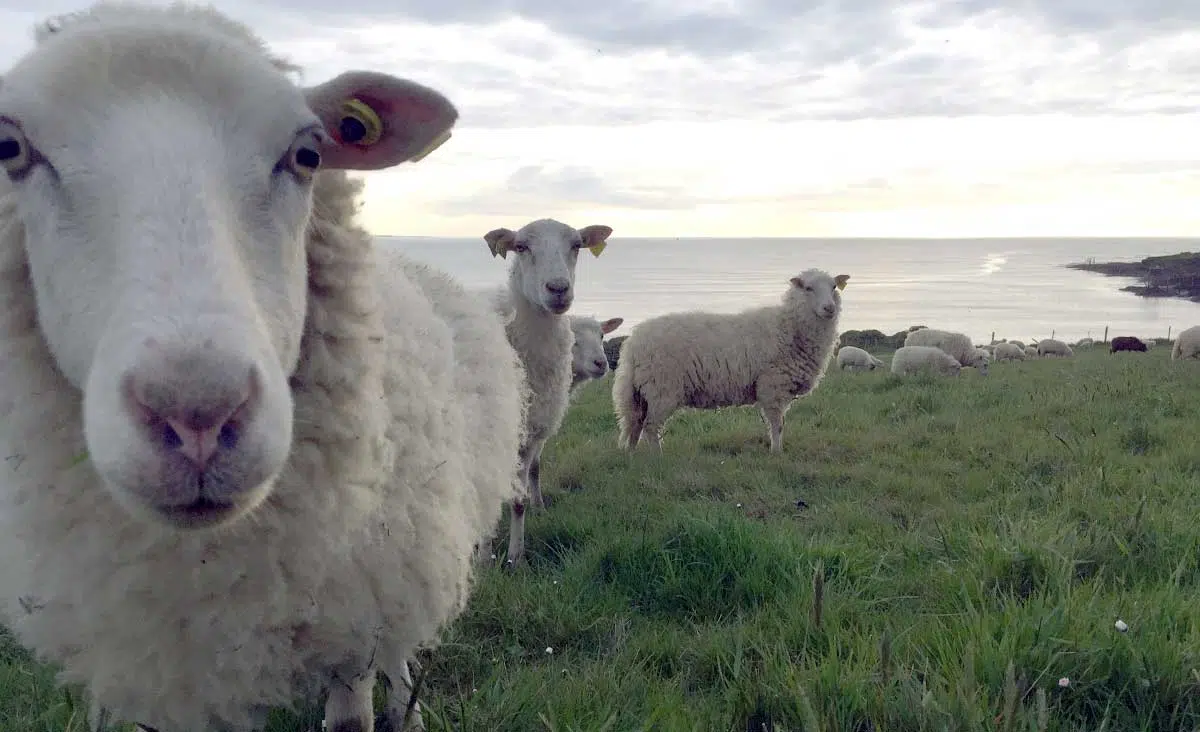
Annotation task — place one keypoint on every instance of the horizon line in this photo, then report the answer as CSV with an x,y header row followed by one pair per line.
x,y
1160,237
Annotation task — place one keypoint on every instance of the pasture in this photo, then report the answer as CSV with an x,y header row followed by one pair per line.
x,y
925,554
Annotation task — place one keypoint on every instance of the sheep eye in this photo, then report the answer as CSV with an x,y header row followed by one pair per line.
x,y
302,159
14,150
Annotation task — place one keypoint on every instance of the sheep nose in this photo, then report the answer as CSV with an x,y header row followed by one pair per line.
x,y
194,413
559,286
600,364
827,309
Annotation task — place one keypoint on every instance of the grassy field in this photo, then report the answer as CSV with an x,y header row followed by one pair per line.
x,y
926,554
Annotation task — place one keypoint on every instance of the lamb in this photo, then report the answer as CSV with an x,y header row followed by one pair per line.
x,y
539,293
1009,352
913,359
767,356
956,344
249,452
1054,347
588,359
856,359
1187,344
1031,351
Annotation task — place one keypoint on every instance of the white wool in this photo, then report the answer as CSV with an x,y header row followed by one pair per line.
x,y
855,358
957,345
767,356
913,359
1187,344
407,403
1053,347
1009,352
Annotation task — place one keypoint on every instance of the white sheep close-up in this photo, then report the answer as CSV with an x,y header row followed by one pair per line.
x,y
957,345
249,454
1187,344
1054,347
588,360
915,359
766,356
853,358
540,291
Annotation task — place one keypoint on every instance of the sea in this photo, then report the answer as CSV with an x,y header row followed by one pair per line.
x,y
1013,288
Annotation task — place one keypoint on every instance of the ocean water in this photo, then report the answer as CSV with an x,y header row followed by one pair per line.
x,y
1016,288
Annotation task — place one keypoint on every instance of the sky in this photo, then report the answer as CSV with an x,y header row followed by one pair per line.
x,y
872,118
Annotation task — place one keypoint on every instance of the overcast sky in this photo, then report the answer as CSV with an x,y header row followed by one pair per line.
x,y
771,117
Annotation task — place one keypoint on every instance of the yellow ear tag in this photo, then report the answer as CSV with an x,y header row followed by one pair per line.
x,y
437,142
841,285
360,125
596,248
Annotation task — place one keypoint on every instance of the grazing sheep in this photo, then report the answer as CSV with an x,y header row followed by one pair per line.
x,y
956,344
913,359
856,359
766,356
588,359
1031,351
1084,343
1054,347
1187,344
248,453
1127,343
541,288
985,354
1009,352
1018,344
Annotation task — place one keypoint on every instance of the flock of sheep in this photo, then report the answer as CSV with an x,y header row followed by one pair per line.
x,y
947,352
250,457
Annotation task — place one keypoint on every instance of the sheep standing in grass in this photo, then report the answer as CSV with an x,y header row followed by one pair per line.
x,y
588,359
856,359
1009,352
541,288
914,359
1187,344
766,356
957,345
248,453
1031,351
1054,347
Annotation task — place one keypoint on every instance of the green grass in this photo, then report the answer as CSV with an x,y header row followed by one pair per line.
x,y
926,554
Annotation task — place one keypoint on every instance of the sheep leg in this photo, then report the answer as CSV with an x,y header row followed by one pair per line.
x,y
652,427
531,469
516,534
100,719
349,707
773,416
403,711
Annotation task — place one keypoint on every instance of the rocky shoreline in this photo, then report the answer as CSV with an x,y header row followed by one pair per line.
x,y
1171,275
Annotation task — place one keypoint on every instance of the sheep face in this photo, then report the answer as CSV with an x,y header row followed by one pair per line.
x,y
162,170
817,291
546,252
588,359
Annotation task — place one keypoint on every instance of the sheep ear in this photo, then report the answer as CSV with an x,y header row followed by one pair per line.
x,y
841,280
595,237
611,324
377,120
797,282
500,241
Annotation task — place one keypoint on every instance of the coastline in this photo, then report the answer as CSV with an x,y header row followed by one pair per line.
x,y
1171,275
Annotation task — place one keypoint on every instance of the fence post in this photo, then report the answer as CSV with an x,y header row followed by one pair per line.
x,y
1105,334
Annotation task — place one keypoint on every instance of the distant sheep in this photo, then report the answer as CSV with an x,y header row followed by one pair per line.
x,y
1009,352
534,303
1084,343
1127,343
913,359
1031,351
1054,347
588,360
856,359
1187,344
956,344
1018,344
612,349
767,356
